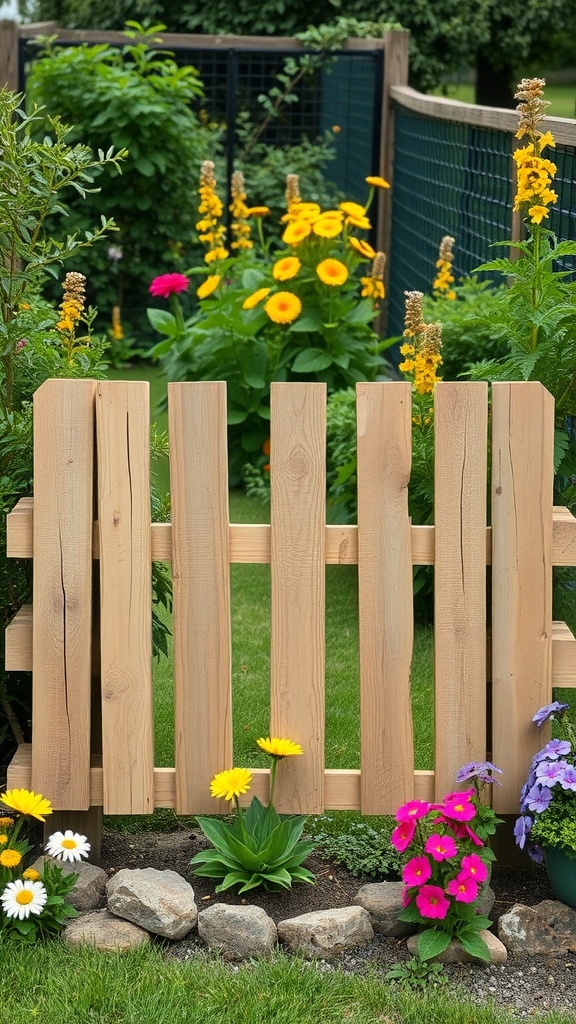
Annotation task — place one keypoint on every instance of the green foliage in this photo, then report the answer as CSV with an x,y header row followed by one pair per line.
x,y
470,328
57,910
363,849
418,974
556,826
137,98
259,849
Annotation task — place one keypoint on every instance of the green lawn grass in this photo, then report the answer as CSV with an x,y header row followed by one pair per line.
x,y
52,984
562,98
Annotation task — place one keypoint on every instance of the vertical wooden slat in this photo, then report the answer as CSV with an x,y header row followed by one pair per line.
x,y
384,420
298,501
460,445
201,594
62,589
125,596
522,489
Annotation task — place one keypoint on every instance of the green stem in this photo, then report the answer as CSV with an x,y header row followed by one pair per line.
x,y
535,279
273,780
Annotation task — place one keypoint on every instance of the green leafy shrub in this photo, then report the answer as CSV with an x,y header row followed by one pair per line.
x,y
136,98
470,328
363,849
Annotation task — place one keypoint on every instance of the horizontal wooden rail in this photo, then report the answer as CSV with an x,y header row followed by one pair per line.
x,y
18,648
341,786
562,128
250,543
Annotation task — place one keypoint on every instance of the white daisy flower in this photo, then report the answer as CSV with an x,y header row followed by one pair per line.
x,y
67,845
20,899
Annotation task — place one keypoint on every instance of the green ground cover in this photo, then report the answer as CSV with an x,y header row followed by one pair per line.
x,y
562,97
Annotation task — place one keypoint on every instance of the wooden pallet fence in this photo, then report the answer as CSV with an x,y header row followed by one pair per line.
x,y
90,519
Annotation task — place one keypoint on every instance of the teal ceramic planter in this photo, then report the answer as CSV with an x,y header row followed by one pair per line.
x,y
561,871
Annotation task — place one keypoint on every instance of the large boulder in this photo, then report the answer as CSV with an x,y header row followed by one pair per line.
x,y
90,886
383,901
237,932
327,932
162,902
549,927
103,932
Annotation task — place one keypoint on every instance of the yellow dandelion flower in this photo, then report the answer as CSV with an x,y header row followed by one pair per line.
x,y
25,802
283,307
10,858
253,300
208,286
278,747
31,875
231,784
296,232
286,268
377,182
352,209
362,247
332,272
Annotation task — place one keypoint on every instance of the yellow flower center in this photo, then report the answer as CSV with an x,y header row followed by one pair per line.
x,y
24,897
69,844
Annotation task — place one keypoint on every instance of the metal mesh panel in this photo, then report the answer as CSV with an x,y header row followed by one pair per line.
x,y
563,215
348,88
449,179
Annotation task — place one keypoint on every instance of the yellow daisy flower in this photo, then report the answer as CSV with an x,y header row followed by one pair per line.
x,y
352,209
296,232
286,268
283,307
257,211
304,211
328,225
332,272
25,802
253,300
208,286
231,783
10,858
279,748
377,182
362,247
359,222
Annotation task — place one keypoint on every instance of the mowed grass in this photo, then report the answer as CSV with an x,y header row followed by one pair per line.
x,y
52,984
561,97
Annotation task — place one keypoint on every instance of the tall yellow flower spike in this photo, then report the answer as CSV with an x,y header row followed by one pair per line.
x,y
534,173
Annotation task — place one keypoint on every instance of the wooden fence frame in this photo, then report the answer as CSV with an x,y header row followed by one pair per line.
x,y
91,508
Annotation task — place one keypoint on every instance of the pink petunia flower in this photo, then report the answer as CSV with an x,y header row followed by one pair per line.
x,y
168,284
459,806
432,901
416,871
463,888
474,867
440,847
413,810
403,835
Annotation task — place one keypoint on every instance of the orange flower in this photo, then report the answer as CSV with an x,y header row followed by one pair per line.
x,y
332,272
283,307
296,232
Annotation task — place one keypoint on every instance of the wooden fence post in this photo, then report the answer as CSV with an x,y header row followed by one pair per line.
x,y
9,42
395,73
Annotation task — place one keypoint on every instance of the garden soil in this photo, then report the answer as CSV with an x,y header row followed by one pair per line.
x,y
524,985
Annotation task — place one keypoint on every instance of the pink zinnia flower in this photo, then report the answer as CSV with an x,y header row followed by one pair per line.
x,y
459,806
463,888
432,902
416,871
168,284
413,810
440,847
474,868
403,835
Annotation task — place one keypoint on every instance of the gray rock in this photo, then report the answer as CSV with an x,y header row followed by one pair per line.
x,y
90,887
383,901
549,927
485,900
104,932
237,932
162,902
327,932
454,953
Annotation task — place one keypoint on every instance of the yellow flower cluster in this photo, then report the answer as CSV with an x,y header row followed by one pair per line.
x,y
422,351
210,230
535,174
72,305
442,287
373,286
239,228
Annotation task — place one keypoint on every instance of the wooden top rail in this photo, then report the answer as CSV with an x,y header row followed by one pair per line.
x,y
250,543
499,118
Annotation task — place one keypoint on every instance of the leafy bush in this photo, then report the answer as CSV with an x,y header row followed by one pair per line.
x,y
470,328
362,848
136,98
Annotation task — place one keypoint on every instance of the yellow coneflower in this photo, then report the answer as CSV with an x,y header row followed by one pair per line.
x,y
239,228
286,268
362,247
534,173
256,298
283,307
332,272
210,230
296,232
442,286
328,224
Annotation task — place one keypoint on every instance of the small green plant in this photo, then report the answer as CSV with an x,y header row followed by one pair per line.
x,y
361,848
261,847
417,974
33,904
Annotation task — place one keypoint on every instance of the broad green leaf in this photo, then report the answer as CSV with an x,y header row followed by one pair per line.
x,y
232,878
252,279
237,415
162,321
361,313
310,322
475,945
410,914
481,923
431,942
310,360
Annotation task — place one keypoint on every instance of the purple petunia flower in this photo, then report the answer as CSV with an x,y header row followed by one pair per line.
x,y
568,780
481,770
548,711
556,748
521,829
538,798
548,773
536,853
